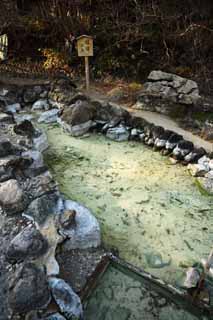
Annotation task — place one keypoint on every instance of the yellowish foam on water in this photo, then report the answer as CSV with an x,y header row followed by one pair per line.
x,y
150,210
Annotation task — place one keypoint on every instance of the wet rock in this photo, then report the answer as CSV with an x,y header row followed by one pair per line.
x,y
67,300
78,118
13,108
6,148
21,117
118,133
41,142
28,289
86,231
25,128
204,161
36,156
194,155
6,118
40,208
160,142
173,141
29,243
206,184
197,170
40,105
49,116
182,149
12,198
55,316
155,260
40,185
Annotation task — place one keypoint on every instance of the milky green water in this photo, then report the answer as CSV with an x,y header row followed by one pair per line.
x,y
150,210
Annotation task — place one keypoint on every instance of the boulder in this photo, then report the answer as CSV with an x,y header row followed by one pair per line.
x,y
118,133
40,208
13,108
29,243
12,198
78,118
182,149
197,170
62,91
68,301
173,141
110,111
160,142
41,104
167,93
28,289
194,155
25,128
49,116
85,233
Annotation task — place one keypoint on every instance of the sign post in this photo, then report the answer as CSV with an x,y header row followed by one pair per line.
x,y
85,49
3,47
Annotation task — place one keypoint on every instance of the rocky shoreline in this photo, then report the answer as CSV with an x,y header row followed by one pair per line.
x,y
35,218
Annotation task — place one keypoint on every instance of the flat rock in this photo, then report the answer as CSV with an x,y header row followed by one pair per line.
x,y
68,301
49,116
41,104
86,232
118,134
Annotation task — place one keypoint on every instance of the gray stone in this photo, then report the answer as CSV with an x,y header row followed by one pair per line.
x,y
209,175
55,316
207,184
12,198
85,233
28,289
197,170
40,208
49,116
118,134
41,142
40,105
30,95
29,243
6,148
21,117
77,130
13,108
67,300
158,75
36,156
5,118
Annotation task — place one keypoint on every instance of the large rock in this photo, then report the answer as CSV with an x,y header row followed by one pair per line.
x,y
29,243
40,208
25,128
28,289
13,108
12,198
85,233
167,93
49,116
118,133
78,118
68,301
6,148
40,105
62,91
37,158
110,112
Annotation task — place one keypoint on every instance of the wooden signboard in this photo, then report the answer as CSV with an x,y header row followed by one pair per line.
x,y
85,49
3,47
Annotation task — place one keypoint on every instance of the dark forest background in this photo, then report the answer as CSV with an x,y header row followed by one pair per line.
x,y
132,37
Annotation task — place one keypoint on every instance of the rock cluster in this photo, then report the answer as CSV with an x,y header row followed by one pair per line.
x,y
167,93
35,212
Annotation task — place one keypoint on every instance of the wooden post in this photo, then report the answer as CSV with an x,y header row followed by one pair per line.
x,y
87,72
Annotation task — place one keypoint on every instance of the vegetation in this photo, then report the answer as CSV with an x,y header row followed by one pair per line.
x,y
131,36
